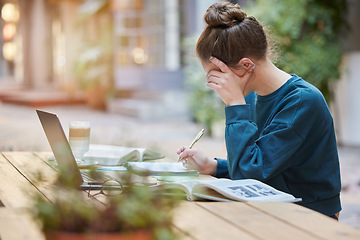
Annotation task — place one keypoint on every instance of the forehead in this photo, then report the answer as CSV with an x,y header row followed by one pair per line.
x,y
208,66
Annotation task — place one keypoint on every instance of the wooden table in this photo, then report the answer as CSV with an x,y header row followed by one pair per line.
x,y
193,220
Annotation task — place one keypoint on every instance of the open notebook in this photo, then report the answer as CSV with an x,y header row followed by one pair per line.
x,y
249,190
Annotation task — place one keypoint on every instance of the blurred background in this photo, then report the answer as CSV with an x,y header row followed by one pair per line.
x,y
130,68
127,57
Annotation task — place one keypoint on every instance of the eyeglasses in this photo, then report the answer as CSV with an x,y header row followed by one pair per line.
x,y
108,188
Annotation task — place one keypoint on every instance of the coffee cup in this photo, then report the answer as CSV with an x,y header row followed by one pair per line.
x,y
79,139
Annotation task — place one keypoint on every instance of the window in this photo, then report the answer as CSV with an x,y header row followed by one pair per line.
x,y
147,33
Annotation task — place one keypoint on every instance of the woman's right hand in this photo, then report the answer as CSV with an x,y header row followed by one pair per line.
x,y
195,159
227,84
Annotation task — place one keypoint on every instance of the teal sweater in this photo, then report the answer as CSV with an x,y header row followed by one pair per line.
x,y
287,140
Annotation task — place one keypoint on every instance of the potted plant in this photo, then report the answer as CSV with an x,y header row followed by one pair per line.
x,y
136,212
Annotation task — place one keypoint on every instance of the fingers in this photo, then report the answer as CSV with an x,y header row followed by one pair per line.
x,y
191,164
213,76
214,79
180,150
223,67
189,160
214,86
185,155
187,152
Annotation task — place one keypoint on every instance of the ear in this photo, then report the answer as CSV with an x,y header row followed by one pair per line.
x,y
248,64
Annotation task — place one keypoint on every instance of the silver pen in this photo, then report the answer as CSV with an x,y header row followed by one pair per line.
x,y
200,134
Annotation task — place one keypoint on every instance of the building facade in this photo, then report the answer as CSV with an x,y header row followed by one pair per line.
x,y
146,42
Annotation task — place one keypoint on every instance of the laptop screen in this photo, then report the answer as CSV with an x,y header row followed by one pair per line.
x,y
59,145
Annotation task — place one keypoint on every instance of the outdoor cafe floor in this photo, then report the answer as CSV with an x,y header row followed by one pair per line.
x,y
20,130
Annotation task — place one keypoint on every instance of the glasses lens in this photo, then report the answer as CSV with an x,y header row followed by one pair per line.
x,y
111,188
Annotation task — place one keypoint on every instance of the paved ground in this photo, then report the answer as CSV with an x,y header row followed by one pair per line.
x,y
20,129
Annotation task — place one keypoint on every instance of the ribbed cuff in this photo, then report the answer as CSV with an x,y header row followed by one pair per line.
x,y
328,206
222,168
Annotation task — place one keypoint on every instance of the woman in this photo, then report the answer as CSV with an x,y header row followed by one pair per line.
x,y
278,127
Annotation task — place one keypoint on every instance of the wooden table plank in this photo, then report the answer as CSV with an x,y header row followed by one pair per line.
x,y
15,194
14,188
250,219
34,169
48,158
308,220
202,224
16,224
34,164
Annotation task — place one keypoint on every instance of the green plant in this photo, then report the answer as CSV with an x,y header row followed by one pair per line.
x,y
205,105
94,64
136,208
307,33
94,67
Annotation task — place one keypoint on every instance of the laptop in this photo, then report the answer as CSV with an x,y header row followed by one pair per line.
x,y
62,152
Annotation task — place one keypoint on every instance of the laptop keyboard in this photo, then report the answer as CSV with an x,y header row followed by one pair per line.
x,y
94,177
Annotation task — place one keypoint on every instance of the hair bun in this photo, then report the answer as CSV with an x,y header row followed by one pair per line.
x,y
224,14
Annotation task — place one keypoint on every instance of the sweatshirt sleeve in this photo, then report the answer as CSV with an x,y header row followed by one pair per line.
x,y
266,156
221,168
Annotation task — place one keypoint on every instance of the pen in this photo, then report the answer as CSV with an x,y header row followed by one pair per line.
x,y
200,134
